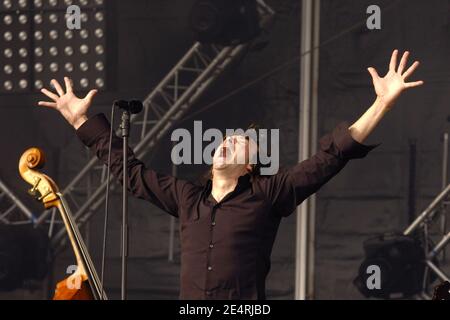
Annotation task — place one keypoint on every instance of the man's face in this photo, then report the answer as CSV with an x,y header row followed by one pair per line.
x,y
234,152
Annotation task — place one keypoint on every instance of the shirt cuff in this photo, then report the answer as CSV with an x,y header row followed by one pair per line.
x,y
93,128
350,148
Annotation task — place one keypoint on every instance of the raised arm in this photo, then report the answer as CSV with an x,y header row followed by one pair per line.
x,y
290,188
164,191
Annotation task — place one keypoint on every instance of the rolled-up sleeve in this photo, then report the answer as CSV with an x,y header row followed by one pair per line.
x,y
93,129
292,186
346,147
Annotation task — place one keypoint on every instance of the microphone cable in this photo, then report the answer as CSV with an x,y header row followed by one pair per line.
x,y
108,182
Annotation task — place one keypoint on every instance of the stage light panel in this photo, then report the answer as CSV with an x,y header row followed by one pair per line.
x,y
36,45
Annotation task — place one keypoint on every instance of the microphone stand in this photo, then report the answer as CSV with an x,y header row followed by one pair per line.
x,y
125,126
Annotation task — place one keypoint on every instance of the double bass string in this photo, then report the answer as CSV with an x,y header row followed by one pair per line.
x,y
93,277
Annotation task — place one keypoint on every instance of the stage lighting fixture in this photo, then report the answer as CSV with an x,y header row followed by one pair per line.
x,y
400,260
36,46
225,22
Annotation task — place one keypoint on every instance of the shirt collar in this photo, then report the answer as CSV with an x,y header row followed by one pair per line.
x,y
243,183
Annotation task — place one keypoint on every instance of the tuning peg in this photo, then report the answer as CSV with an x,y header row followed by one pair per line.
x,y
35,185
34,193
44,195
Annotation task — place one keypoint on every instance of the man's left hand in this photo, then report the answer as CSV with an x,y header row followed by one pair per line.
x,y
391,86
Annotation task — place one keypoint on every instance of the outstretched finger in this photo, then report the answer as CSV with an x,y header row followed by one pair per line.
x,y
393,63
411,70
47,104
403,62
68,84
414,84
373,72
58,87
91,95
50,94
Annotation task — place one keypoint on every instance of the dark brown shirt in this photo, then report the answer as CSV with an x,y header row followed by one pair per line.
x,y
226,246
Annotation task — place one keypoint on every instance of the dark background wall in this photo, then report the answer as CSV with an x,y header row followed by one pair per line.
x,y
369,196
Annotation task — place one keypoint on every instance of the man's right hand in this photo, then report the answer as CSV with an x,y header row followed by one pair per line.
x,y
72,108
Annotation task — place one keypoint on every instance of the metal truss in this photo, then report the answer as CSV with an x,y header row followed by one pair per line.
x,y
438,209
167,104
12,210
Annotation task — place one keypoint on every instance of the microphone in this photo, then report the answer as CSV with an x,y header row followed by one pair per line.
x,y
132,106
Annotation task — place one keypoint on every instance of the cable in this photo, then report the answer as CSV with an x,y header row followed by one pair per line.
x,y
108,180
282,66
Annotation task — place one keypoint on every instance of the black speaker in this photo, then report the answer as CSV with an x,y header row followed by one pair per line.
x,y
225,22
24,255
400,261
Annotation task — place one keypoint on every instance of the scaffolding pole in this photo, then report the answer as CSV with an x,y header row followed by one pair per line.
x,y
309,76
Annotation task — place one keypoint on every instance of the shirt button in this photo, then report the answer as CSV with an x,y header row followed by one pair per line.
x,y
209,268
211,246
213,223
